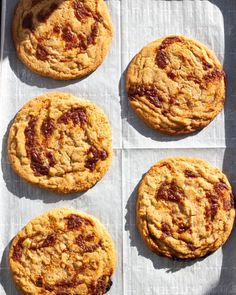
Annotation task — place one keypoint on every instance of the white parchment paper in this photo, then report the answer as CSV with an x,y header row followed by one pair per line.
x,y
136,147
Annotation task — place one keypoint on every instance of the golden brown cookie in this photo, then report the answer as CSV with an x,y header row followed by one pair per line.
x,y
62,39
176,85
61,143
185,208
63,252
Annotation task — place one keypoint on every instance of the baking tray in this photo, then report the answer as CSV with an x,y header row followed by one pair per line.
x,y
136,147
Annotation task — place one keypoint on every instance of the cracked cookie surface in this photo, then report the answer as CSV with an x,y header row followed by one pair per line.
x,y
62,39
62,252
176,85
61,143
185,208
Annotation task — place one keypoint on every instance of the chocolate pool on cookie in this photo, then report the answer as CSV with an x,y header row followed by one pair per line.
x,y
62,39
63,252
185,208
176,85
61,143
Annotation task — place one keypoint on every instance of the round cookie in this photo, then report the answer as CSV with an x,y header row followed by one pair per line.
x,y
176,85
62,252
62,39
185,208
61,143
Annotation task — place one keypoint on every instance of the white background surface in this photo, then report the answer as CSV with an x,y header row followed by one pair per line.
x,y
136,22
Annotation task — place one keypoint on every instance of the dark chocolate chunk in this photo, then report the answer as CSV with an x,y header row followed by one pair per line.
x,y
74,221
81,242
170,192
27,22
47,127
190,174
41,52
44,14
49,241
18,250
81,12
149,91
76,115
98,154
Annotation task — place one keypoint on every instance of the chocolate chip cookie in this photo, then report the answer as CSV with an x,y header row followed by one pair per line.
x,y
61,143
185,208
63,252
62,39
176,85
